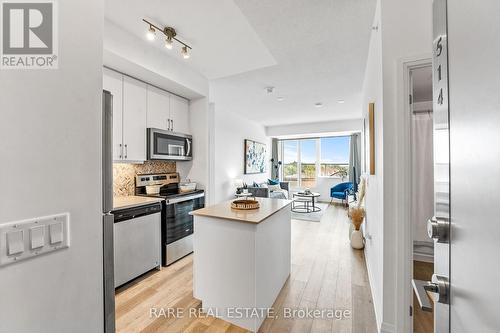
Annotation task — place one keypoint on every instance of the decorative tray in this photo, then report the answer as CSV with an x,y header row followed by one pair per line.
x,y
243,204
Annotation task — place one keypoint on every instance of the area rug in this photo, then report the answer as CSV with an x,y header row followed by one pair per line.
x,y
314,216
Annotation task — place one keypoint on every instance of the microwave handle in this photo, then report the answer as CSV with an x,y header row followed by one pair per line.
x,y
188,141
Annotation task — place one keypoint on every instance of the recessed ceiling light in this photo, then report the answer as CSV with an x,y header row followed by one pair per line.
x,y
280,99
269,90
318,105
341,101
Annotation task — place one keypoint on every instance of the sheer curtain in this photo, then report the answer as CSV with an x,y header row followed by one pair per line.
x,y
422,175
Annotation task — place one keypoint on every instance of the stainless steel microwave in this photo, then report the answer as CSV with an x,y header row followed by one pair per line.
x,y
168,145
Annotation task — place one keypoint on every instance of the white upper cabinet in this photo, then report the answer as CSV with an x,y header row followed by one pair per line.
x,y
134,119
113,82
179,114
158,115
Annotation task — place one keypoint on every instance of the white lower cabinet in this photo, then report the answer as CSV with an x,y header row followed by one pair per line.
x,y
134,119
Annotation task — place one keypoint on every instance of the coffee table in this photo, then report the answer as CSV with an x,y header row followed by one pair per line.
x,y
308,200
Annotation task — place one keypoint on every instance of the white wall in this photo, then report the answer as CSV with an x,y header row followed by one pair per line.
x,y
404,31
373,226
322,128
230,132
50,144
197,170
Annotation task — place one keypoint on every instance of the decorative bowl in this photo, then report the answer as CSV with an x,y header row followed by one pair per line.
x,y
244,204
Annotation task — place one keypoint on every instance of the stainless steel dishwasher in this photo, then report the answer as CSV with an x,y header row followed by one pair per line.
x,y
137,238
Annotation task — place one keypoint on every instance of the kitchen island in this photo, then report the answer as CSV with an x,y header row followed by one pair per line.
x,y
241,259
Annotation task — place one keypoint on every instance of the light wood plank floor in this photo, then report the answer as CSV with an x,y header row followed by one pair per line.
x,y
326,274
423,321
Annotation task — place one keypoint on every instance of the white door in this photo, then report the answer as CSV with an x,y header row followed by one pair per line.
x,y
113,82
158,114
466,226
474,88
134,119
179,114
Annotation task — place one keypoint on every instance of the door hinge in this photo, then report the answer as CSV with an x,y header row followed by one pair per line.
x,y
411,311
410,98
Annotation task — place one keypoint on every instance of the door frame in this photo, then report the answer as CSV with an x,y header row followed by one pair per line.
x,y
403,167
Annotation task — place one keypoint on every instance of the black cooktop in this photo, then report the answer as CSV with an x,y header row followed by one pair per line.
x,y
171,195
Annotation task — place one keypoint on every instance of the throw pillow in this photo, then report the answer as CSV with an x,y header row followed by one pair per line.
x,y
255,184
263,185
274,187
273,181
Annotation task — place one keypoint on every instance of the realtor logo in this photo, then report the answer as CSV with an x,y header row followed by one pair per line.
x,y
29,35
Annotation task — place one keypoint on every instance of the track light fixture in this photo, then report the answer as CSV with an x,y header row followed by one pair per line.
x,y
170,37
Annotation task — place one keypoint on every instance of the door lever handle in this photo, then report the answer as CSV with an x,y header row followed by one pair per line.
x,y
419,287
439,285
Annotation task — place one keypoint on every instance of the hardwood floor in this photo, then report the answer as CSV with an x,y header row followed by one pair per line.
x,y
326,274
423,322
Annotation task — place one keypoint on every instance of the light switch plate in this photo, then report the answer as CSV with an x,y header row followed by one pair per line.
x,y
37,238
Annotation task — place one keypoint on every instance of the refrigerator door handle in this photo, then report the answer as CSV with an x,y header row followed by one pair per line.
x,y
107,152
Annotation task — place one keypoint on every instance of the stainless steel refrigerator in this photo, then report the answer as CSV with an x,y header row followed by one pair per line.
x,y
107,207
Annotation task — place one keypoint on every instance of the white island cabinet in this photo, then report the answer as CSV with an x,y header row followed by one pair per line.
x,y
241,259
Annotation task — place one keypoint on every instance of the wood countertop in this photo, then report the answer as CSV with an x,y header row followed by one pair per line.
x,y
133,201
223,210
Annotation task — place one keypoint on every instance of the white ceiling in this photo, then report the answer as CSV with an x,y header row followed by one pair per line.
x,y
223,41
321,47
310,50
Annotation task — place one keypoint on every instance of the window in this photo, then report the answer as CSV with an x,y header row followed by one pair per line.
x,y
305,160
290,162
308,163
334,159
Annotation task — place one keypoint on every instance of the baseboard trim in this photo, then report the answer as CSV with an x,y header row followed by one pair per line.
x,y
387,328
370,280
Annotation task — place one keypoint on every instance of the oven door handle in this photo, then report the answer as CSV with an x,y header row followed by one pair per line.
x,y
186,198
189,147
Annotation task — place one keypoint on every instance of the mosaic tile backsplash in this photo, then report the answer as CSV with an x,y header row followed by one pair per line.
x,y
124,174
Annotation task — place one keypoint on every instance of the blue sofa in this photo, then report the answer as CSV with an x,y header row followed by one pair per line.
x,y
340,191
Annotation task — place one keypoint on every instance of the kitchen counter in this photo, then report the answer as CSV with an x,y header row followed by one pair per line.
x,y
223,210
241,258
133,201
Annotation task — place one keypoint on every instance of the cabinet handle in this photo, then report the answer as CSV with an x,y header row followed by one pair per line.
x,y
172,125
126,151
121,151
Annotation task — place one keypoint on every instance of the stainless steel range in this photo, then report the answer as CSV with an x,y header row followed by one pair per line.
x,y
177,224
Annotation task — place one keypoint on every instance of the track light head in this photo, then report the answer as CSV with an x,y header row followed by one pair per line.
x,y
168,43
151,33
185,52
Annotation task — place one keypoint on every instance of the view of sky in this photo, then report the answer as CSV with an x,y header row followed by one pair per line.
x,y
333,150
